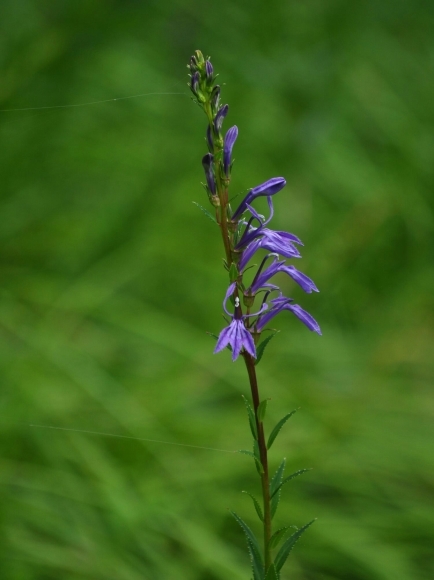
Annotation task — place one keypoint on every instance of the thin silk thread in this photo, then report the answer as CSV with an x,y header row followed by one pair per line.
x,y
86,104
127,437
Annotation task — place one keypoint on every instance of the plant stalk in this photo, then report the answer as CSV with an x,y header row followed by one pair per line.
x,y
265,478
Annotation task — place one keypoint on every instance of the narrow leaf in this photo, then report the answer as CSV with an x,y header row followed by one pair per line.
x,y
275,432
257,569
288,545
277,537
256,504
277,478
260,413
274,486
233,273
261,347
252,421
254,550
272,573
206,212
299,472
258,463
257,454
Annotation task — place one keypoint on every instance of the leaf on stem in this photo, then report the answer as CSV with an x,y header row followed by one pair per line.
x,y
275,432
206,212
288,545
258,463
254,550
278,536
272,573
257,454
261,347
274,487
260,413
256,504
251,416
299,472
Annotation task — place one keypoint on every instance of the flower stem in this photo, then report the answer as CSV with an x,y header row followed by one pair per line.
x,y
265,478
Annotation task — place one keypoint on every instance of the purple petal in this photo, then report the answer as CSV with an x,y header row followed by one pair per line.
x,y
291,237
231,137
305,317
302,280
267,188
282,247
265,319
248,254
270,187
229,293
248,342
264,276
225,337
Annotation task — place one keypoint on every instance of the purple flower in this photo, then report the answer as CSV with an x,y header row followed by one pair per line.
x,y
281,303
231,137
267,188
261,279
209,174
218,119
238,337
236,334
279,242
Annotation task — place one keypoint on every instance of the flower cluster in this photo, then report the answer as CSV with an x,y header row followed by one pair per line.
x,y
244,230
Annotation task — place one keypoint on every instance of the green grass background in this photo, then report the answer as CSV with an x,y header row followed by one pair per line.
x,y
111,277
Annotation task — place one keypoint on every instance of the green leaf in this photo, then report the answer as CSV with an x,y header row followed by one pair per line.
x,y
275,432
272,573
251,416
256,504
288,545
254,550
261,347
299,472
260,413
258,463
206,212
277,537
233,273
275,485
257,454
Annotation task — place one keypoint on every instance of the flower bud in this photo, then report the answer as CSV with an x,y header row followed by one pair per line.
x,y
215,99
218,119
209,71
207,163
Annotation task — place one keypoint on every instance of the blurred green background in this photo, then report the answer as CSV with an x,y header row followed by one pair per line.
x,y
111,277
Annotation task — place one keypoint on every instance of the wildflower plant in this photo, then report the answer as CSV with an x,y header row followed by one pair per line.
x,y
251,305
